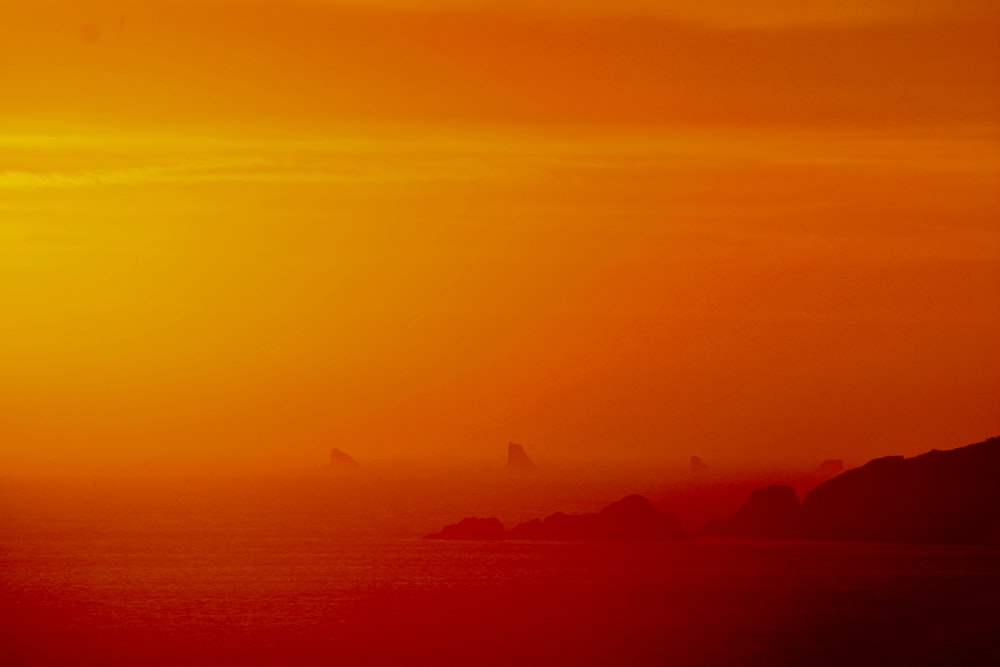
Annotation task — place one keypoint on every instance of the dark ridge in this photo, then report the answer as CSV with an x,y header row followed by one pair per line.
x,y
830,468
631,518
770,512
472,528
939,497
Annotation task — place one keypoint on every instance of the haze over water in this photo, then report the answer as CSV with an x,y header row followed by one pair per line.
x,y
235,235
269,572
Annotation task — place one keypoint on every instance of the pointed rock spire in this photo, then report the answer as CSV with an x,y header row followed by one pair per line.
x,y
517,458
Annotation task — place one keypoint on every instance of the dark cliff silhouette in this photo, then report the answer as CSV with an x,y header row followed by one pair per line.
x,y
517,458
339,459
472,528
631,518
771,512
939,497
942,496
830,468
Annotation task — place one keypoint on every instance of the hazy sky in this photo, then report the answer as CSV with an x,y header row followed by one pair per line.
x,y
636,230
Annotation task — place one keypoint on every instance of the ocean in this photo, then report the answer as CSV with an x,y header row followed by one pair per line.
x,y
266,585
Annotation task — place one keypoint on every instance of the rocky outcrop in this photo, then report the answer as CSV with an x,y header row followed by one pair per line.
x,y
938,497
631,518
942,496
472,528
517,458
770,512
830,468
339,459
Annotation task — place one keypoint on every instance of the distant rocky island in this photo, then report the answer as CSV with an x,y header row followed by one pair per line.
x,y
339,459
631,518
697,466
517,458
472,528
947,497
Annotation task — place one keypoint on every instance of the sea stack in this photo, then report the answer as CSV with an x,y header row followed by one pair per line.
x,y
517,458
698,466
339,459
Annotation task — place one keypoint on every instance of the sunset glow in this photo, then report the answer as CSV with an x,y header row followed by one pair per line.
x,y
488,333
238,232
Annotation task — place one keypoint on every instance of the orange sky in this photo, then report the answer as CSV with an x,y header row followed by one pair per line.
x,y
636,230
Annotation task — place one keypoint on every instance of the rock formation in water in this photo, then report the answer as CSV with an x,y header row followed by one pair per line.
x,y
771,512
939,497
698,466
517,458
472,528
631,518
339,459
830,468
942,496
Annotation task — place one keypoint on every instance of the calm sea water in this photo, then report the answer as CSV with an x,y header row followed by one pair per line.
x,y
258,591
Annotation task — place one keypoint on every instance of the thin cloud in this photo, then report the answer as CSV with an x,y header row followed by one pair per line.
x,y
250,171
138,160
